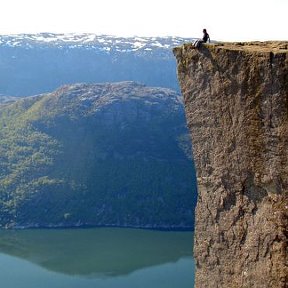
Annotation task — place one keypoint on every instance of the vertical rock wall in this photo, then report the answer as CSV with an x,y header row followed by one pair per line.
x,y
236,99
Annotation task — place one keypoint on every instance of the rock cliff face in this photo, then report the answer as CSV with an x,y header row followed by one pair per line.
x,y
236,98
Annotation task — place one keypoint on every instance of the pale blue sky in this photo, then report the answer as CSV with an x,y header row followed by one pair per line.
x,y
225,20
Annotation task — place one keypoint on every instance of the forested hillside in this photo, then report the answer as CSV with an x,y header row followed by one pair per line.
x,y
96,154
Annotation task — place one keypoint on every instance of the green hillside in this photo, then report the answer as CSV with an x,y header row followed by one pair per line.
x,y
98,154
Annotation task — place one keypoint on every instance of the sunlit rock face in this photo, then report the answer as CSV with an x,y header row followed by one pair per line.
x,y
236,99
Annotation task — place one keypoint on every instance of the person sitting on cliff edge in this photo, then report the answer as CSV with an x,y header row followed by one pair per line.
x,y
206,36
204,39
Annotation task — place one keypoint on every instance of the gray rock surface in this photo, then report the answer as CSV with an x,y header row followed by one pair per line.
x,y
236,98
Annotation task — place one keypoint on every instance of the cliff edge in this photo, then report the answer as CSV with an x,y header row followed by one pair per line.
x,y
236,101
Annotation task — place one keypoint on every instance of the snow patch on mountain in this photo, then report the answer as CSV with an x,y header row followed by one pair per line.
x,y
91,41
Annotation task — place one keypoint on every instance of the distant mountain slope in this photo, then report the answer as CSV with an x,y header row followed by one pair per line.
x,y
37,63
96,154
7,99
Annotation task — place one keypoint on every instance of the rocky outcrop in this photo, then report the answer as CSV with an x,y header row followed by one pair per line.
x,y
236,98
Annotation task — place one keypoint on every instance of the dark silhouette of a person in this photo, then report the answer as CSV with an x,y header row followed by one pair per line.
x,y
204,39
206,36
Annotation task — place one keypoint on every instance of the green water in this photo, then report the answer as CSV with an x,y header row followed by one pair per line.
x,y
98,258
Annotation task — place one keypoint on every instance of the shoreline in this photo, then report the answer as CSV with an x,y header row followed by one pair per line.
x,y
88,226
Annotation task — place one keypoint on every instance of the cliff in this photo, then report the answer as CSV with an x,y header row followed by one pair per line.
x,y
236,99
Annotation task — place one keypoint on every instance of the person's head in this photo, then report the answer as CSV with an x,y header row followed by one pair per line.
x,y
204,31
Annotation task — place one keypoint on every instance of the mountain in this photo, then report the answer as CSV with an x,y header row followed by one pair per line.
x,y
96,154
4,99
37,63
7,99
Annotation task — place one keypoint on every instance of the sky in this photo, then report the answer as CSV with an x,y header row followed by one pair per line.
x,y
225,20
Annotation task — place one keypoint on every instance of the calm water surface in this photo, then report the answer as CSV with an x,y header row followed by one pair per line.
x,y
98,258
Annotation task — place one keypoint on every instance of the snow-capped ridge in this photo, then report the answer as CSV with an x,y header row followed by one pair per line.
x,y
91,41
